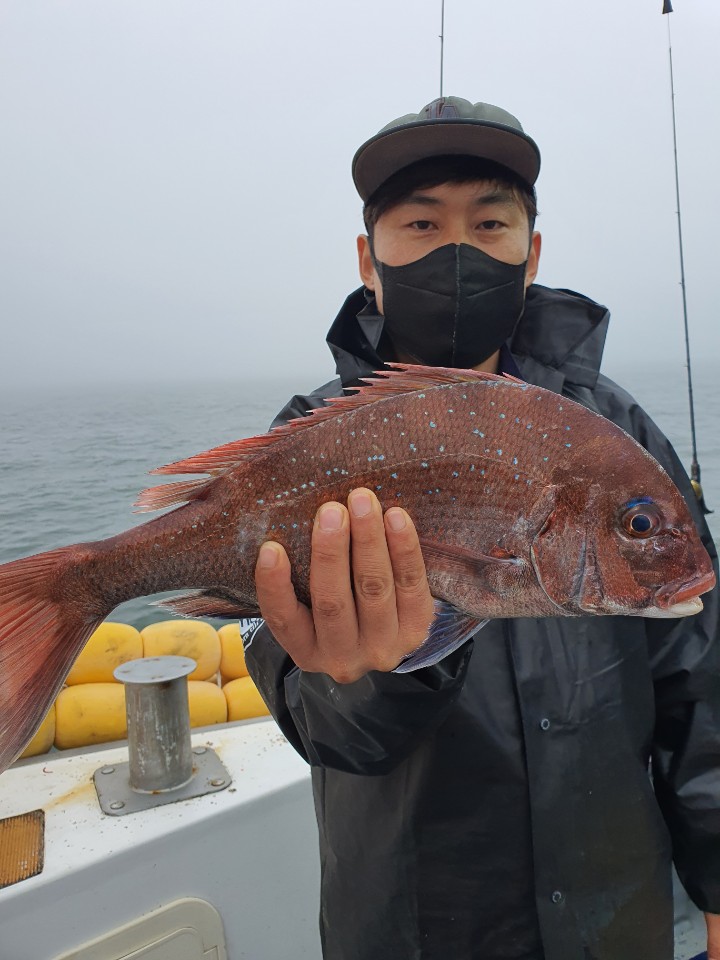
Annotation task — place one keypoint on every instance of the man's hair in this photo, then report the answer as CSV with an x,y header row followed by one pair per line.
x,y
434,171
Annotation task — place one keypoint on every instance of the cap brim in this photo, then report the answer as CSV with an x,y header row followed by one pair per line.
x,y
383,155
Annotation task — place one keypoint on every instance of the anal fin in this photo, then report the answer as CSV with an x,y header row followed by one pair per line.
x,y
449,630
214,603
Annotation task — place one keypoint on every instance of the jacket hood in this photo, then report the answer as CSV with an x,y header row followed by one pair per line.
x,y
560,331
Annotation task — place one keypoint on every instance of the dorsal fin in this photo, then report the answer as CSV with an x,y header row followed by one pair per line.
x,y
401,378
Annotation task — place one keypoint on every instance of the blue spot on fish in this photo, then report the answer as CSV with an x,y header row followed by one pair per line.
x,y
634,503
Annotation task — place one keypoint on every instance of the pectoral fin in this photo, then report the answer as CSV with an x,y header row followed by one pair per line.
x,y
448,631
461,561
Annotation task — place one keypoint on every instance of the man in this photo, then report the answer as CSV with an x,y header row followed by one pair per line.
x,y
496,805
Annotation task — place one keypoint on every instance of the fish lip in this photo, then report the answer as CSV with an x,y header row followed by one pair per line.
x,y
683,590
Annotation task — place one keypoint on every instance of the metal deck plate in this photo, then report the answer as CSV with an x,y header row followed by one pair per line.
x,y
117,799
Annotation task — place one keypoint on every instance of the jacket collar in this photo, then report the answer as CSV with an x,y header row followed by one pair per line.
x,y
560,337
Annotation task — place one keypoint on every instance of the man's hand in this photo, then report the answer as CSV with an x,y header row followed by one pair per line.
x,y
713,925
371,604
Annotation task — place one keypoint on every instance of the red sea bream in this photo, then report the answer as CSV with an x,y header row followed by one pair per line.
x,y
527,505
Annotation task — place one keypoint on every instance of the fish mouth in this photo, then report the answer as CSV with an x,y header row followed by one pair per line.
x,y
687,608
686,593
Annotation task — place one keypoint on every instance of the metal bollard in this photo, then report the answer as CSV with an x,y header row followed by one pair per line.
x,y
158,722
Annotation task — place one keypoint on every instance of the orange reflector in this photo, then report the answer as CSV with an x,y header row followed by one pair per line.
x,y
22,847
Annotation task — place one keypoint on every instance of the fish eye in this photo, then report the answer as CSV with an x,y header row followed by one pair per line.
x,y
641,520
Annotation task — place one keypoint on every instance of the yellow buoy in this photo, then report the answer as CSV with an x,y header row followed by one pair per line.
x,y
244,700
43,739
90,713
109,646
184,638
207,703
232,660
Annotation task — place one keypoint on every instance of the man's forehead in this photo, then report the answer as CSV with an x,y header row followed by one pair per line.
x,y
479,192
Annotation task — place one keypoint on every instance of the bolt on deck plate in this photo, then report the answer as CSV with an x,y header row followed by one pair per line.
x,y
117,799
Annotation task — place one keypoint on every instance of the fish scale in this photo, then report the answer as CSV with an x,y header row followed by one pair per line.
x,y
526,504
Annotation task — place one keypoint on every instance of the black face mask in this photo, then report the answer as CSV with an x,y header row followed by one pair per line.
x,y
452,308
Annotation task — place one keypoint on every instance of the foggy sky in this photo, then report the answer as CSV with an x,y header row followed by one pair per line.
x,y
175,190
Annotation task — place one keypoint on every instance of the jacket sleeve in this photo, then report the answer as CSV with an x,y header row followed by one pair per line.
x,y
366,727
685,661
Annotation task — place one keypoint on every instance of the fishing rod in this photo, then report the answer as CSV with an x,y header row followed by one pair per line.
x,y
694,466
442,44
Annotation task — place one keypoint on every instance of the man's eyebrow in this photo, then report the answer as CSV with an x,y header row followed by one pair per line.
x,y
497,197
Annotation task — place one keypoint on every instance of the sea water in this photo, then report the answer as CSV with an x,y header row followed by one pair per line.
x,y
73,460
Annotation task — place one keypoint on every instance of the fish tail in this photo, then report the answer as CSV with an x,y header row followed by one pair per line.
x,y
44,625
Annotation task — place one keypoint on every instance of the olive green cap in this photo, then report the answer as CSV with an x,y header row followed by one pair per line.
x,y
447,126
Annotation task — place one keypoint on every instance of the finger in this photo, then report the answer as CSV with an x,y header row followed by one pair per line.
x,y
373,580
290,622
412,591
333,605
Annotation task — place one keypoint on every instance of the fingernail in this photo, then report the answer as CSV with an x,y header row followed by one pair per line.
x,y
360,504
330,517
396,519
268,556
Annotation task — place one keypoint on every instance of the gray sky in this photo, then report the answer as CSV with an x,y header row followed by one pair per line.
x,y
175,194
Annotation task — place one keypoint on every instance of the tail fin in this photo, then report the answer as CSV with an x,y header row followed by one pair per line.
x,y
41,634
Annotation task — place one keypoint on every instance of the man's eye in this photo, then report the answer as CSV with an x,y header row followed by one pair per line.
x,y
490,225
422,224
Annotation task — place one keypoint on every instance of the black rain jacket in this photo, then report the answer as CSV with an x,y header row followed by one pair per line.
x,y
499,805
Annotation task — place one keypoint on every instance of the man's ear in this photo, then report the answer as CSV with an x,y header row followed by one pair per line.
x,y
365,262
533,259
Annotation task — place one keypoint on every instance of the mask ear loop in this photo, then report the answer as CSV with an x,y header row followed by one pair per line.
x,y
375,262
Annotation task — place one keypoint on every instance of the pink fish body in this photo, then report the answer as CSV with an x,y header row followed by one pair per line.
x,y
527,505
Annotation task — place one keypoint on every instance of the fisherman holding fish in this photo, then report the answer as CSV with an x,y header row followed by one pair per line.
x,y
494,802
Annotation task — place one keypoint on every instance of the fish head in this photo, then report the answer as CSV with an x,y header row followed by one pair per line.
x,y
624,543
